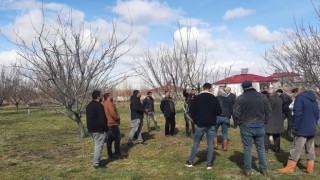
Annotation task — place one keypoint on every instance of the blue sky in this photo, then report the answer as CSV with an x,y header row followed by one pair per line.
x,y
233,31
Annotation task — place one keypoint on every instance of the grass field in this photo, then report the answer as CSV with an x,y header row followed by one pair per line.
x,y
46,145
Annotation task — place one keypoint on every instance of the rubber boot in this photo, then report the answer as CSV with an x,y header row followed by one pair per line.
x,y
215,142
289,168
310,165
225,145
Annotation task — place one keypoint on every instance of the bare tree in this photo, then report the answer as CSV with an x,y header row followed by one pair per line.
x,y
66,61
180,66
5,85
299,55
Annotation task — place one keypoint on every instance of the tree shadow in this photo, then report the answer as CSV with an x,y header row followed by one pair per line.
x,y
202,155
238,157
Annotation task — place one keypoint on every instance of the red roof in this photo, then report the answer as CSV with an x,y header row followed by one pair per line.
x,y
283,74
236,79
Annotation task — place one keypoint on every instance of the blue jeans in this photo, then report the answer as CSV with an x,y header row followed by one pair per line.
x,y
257,136
200,131
224,122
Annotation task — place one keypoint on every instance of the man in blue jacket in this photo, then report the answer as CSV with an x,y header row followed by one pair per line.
x,y
304,122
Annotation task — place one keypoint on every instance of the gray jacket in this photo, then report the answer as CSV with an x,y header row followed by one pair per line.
x,y
251,108
275,122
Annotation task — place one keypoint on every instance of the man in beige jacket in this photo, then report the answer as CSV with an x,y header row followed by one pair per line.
x,y
113,125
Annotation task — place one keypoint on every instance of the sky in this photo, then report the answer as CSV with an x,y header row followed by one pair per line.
x,y
233,32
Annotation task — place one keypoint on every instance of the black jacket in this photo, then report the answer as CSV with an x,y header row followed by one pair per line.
x,y
286,101
148,104
96,117
251,108
136,108
226,106
167,107
205,109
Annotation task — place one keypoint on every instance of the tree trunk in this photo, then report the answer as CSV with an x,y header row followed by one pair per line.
x,y
17,105
81,128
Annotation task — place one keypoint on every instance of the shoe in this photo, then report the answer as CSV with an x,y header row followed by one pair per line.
x,y
143,143
289,168
225,145
188,164
264,173
247,173
209,166
310,165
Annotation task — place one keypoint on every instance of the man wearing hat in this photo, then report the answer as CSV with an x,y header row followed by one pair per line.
x,y
251,111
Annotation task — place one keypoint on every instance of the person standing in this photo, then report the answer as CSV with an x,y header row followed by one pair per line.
x,y
223,120
232,97
148,104
113,125
137,112
189,97
251,112
168,109
275,122
287,112
97,126
304,122
204,112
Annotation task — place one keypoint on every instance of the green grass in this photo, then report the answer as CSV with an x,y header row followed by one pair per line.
x,y
46,145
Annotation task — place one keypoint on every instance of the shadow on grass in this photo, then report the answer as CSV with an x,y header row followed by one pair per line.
x,y
287,137
238,158
202,155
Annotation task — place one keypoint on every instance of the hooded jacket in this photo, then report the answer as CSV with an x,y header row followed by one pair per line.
x,y
305,114
226,105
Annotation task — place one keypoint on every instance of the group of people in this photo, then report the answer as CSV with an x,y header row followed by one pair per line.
x,y
259,115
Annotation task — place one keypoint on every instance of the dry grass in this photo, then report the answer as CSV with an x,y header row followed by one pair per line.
x,y
46,145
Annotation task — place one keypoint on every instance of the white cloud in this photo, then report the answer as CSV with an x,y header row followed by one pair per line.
x,y
237,13
149,12
8,57
261,33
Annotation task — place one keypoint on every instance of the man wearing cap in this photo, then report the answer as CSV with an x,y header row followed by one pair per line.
x,y
304,122
251,111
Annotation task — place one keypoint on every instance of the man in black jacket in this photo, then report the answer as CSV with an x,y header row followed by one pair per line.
x,y
148,105
204,112
251,112
136,118
97,125
168,109
189,97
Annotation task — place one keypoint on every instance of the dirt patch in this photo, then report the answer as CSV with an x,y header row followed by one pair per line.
x,y
55,153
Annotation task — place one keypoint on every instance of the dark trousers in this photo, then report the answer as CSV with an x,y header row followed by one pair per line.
x,y
276,140
189,122
114,135
288,115
170,125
